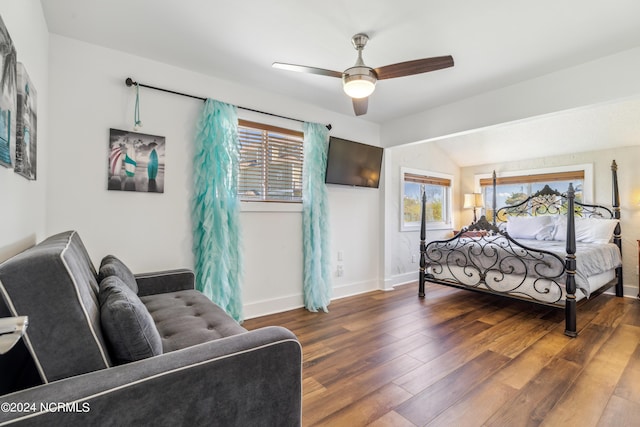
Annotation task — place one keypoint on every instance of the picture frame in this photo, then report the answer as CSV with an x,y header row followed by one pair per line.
x,y
136,162
26,126
8,70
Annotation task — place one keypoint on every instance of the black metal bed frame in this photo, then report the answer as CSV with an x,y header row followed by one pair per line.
x,y
490,257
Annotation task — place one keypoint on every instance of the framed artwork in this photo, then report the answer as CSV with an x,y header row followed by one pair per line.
x,y
26,129
8,61
136,162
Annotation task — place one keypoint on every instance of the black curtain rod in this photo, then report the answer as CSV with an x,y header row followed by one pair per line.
x,y
129,82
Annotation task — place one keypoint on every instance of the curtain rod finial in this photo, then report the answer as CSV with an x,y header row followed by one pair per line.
x,y
329,126
129,82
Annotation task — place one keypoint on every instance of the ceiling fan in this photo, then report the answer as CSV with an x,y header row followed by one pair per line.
x,y
360,80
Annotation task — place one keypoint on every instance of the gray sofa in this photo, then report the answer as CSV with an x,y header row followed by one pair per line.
x,y
189,364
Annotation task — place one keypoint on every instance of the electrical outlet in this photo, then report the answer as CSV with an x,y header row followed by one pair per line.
x,y
414,258
340,271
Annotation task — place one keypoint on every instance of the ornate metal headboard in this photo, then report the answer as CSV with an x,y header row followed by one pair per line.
x,y
551,202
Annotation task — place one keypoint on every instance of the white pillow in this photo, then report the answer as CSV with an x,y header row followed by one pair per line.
x,y
530,227
588,230
560,232
546,232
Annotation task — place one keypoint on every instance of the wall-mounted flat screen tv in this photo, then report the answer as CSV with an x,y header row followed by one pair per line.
x,y
353,163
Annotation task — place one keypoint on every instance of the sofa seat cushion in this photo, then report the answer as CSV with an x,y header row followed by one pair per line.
x,y
187,318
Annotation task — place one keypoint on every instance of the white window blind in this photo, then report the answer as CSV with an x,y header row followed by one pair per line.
x,y
270,163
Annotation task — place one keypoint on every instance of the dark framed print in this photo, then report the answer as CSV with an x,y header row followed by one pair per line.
x,y
26,126
136,162
8,64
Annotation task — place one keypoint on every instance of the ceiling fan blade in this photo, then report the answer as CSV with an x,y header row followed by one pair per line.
x,y
305,69
360,105
417,66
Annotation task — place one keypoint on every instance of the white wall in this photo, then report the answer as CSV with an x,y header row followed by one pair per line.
x,y
628,179
23,207
605,79
153,231
402,246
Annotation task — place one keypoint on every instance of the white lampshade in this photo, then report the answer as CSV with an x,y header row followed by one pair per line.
x,y
359,85
469,200
473,200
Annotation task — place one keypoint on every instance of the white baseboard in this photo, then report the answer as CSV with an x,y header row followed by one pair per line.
x,y
628,291
272,306
290,302
354,289
400,279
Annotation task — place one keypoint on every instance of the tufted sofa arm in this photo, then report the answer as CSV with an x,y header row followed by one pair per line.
x,y
161,282
249,379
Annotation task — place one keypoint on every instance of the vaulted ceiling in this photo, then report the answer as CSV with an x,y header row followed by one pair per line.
x,y
495,43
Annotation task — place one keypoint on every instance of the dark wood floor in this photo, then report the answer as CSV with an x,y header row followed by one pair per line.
x,y
458,358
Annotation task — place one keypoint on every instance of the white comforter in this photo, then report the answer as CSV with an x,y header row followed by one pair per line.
x,y
479,263
591,258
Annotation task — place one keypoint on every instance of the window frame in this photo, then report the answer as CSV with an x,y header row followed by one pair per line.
x,y
259,204
447,208
586,168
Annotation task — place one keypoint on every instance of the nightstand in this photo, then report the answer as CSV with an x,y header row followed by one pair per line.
x,y
11,330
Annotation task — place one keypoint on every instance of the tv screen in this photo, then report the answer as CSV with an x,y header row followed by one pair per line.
x,y
353,163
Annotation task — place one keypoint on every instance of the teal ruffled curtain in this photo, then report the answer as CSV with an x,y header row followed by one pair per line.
x,y
216,209
315,219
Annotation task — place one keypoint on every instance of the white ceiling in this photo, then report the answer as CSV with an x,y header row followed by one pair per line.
x,y
495,43
614,124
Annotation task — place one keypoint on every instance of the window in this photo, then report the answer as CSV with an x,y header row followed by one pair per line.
x,y
514,189
270,163
437,188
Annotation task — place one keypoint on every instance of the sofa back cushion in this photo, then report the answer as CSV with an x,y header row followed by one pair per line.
x,y
112,266
54,283
129,328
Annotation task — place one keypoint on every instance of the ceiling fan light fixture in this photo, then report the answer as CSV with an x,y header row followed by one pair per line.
x,y
359,84
359,81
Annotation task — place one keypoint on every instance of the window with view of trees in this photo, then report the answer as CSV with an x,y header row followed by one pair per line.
x,y
270,163
512,190
437,190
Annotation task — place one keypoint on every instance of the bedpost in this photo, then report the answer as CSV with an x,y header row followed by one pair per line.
x,y
617,234
494,203
423,245
570,267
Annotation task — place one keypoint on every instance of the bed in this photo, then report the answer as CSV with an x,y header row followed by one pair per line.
x,y
549,249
